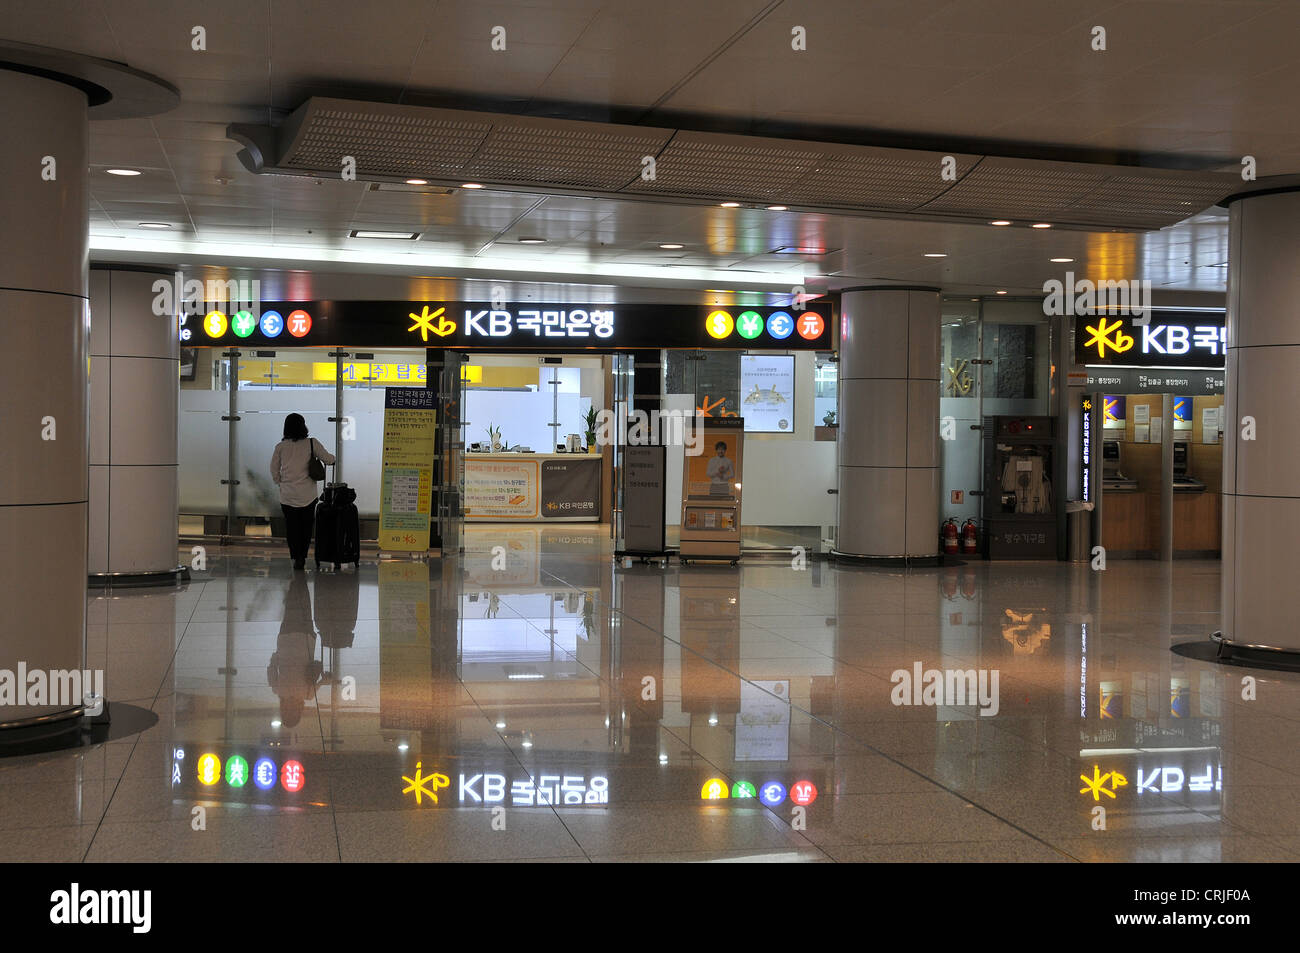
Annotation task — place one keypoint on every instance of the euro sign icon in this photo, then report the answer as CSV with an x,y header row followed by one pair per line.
x,y
1109,335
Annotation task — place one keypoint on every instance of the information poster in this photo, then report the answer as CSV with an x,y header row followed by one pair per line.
x,y
767,392
502,489
713,473
1210,424
644,481
406,485
763,725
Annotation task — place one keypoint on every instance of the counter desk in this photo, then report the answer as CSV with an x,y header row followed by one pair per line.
x,y
532,487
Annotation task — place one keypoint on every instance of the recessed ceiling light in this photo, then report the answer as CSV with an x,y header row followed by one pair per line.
x,y
1000,221
368,233
935,254
671,245
731,205
778,208
154,225
1001,292
122,172
1062,261
470,185
417,181
1041,225
532,241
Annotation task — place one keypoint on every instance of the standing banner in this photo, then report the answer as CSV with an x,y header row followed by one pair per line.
x,y
645,481
410,444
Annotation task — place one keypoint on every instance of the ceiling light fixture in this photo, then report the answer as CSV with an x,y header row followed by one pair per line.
x,y
1041,225
778,208
154,225
470,185
532,241
1001,292
417,181
1062,261
370,233
731,205
935,254
122,171
671,245
1000,221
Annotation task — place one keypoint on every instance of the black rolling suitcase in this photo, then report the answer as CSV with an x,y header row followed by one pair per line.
x,y
338,528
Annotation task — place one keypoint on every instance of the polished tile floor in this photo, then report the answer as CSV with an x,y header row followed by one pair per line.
x,y
531,701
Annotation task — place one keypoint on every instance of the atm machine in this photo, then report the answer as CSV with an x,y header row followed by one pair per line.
x,y
1183,483
1019,494
1111,477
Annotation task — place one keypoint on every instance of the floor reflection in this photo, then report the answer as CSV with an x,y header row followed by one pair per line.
x,y
532,701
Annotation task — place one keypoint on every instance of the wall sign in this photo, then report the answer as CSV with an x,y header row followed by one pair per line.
x,y
767,392
1170,339
1139,380
520,326
1085,475
406,474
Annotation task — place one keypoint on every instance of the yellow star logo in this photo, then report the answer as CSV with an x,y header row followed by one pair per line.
x,y
417,784
424,323
1101,336
1097,783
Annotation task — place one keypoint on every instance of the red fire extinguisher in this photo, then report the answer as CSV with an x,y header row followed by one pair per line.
x,y
950,536
969,538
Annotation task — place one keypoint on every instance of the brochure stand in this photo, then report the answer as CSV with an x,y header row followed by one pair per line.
x,y
711,486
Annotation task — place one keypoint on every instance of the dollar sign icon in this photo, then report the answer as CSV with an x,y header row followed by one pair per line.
x,y
719,324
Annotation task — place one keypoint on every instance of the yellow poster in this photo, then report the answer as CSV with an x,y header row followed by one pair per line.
x,y
410,446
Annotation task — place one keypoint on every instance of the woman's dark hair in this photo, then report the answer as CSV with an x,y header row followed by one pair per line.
x,y
720,443
295,428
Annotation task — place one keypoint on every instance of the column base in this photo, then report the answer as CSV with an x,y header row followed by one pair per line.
x,y
122,580
1247,653
905,561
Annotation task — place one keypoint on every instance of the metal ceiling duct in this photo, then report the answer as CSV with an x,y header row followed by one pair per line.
x,y
392,143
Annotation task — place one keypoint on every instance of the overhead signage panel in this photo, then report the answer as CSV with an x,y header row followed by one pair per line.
x,y
1190,339
527,327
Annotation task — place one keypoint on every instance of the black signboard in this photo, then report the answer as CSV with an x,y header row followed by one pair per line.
x,y
1155,380
1186,339
468,325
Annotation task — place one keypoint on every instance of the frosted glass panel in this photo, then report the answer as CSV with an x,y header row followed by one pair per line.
x,y
261,427
202,436
362,456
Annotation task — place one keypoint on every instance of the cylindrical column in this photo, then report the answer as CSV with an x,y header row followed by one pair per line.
x,y
888,497
134,355
1261,432
44,224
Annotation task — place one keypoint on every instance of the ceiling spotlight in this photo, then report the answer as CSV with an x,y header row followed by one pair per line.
x,y
501,726
1062,261
470,185
1001,292
778,208
526,743
154,225
1041,225
403,747
1000,221
713,719
532,241
731,205
671,245
122,172
417,181
935,254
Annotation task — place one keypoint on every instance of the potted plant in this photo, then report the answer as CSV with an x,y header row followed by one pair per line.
x,y
494,438
590,421
829,419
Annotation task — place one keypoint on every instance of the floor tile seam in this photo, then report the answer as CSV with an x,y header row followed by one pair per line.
x,y
171,664
523,767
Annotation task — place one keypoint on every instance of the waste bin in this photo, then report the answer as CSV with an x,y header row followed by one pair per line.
x,y
1078,517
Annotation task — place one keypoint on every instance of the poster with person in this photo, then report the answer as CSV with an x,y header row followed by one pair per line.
x,y
713,473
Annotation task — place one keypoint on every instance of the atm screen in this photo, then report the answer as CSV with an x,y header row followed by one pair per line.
x,y
1110,450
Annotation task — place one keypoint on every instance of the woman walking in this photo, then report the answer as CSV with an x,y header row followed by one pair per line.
x,y
289,470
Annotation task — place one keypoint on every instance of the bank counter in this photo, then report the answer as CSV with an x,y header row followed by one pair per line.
x,y
1131,511
532,487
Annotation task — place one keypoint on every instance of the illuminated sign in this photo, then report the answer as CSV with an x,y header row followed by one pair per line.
x,y
743,789
209,769
772,793
1096,785
715,789
234,780
529,791
803,793
1169,339
529,326
1169,780
1085,476
236,771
